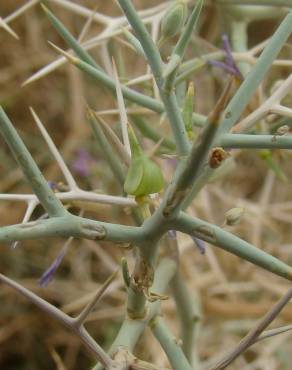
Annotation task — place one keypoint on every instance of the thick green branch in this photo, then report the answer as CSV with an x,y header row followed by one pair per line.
x,y
190,167
70,225
189,312
231,243
70,39
100,76
243,95
188,31
30,169
169,344
237,141
131,330
276,3
152,134
144,37
154,59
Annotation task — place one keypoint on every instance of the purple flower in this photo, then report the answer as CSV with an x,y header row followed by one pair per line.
x,y
200,244
83,163
229,65
48,275
53,185
171,234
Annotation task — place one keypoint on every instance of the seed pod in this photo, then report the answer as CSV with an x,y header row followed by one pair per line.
x,y
283,130
233,216
217,156
125,271
144,177
174,20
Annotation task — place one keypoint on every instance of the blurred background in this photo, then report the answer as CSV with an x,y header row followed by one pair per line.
x,y
232,293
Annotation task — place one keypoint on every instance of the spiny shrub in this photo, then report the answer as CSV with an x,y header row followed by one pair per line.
x,y
197,148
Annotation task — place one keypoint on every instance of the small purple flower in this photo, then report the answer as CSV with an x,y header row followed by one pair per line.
x,y
200,244
53,185
49,274
83,163
171,234
229,65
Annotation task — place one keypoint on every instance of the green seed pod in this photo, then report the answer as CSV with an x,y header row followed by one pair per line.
x,y
174,20
144,177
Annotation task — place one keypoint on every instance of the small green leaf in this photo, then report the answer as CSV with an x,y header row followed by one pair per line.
x,y
188,110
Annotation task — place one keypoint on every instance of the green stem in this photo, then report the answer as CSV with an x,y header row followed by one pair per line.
x,y
198,184
248,87
154,59
188,31
276,3
189,312
143,36
189,168
131,330
130,94
177,124
243,95
231,243
30,169
195,64
237,141
107,150
75,226
70,39
151,133
239,41
169,344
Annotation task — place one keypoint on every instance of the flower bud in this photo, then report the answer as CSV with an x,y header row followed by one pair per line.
x,y
174,20
233,216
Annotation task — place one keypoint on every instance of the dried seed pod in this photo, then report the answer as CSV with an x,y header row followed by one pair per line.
x,y
217,156
144,176
173,21
283,130
233,216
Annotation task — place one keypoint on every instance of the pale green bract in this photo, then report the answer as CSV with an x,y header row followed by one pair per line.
x,y
144,176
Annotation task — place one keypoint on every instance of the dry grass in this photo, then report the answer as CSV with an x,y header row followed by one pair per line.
x,y
233,293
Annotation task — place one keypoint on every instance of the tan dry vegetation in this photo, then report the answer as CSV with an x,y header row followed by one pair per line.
x,y
233,293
